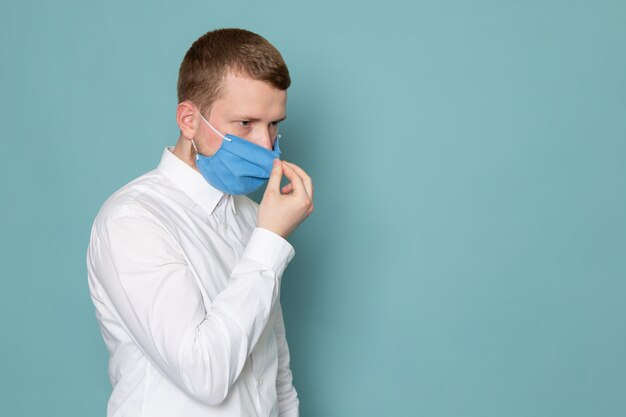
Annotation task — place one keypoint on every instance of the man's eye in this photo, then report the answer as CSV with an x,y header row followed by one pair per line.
x,y
275,124
244,123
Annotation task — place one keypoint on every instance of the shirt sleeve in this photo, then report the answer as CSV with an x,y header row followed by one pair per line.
x,y
200,345
288,402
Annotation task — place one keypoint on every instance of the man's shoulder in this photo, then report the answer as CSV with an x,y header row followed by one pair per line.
x,y
133,198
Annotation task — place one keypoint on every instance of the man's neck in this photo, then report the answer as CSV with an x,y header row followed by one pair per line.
x,y
184,151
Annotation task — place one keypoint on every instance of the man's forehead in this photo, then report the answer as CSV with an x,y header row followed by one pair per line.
x,y
251,99
238,83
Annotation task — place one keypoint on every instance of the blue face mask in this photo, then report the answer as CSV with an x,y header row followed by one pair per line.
x,y
238,166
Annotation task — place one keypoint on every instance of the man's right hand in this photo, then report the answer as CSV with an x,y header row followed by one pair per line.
x,y
281,211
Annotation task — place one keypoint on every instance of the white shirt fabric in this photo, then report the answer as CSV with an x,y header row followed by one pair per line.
x,y
186,290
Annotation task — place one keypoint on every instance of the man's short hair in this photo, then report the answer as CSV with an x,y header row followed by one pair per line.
x,y
220,52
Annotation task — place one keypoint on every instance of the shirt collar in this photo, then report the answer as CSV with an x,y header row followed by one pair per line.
x,y
191,182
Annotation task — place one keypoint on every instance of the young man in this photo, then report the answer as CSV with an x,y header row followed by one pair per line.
x,y
184,269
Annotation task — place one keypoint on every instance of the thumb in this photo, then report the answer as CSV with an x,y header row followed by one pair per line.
x,y
275,176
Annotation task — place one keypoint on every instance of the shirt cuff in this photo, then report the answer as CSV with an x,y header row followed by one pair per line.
x,y
270,249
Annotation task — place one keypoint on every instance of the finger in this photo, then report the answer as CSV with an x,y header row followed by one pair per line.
x,y
308,183
294,179
287,189
275,176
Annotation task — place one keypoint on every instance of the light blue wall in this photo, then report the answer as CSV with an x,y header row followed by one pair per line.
x,y
467,255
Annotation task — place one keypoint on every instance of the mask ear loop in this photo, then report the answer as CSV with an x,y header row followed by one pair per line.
x,y
196,149
214,129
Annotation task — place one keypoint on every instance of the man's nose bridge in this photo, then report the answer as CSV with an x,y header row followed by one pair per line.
x,y
265,138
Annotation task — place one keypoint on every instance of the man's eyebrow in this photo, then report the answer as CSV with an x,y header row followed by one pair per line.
x,y
255,119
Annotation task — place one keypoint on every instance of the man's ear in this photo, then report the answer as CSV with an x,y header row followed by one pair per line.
x,y
186,119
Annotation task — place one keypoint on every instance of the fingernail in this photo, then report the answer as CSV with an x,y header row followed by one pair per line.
x,y
276,162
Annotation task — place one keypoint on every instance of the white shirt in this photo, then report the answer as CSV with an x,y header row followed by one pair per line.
x,y
186,291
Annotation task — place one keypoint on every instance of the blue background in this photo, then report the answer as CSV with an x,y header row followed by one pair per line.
x,y
467,255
